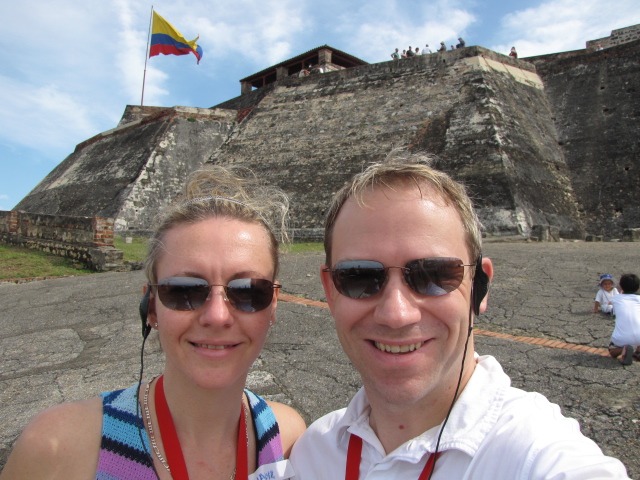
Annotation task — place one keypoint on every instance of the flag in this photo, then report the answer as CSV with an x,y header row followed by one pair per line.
x,y
167,40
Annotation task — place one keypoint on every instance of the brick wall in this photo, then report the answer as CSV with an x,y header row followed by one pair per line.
x,y
88,240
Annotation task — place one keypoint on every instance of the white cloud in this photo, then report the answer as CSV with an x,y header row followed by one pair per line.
x,y
260,30
130,39
43,116
373,30
56,88
80,63
562,25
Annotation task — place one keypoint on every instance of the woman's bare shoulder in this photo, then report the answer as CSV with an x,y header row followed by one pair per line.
x,y
60,442
290,423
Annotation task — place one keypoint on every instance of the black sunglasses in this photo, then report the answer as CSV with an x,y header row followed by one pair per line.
x,y
427,276
189,293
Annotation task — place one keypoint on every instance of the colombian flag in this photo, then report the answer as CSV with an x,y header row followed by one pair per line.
x,y
167,40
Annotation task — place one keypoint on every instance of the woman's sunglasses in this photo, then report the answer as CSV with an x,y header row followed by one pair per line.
x,y
189,293
427,276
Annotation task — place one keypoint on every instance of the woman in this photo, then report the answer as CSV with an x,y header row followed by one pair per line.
x,y
211,295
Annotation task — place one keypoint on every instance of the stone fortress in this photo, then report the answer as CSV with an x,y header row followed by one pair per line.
x,y
548,146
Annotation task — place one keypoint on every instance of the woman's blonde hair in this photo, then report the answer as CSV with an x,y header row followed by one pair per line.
x,y
216,191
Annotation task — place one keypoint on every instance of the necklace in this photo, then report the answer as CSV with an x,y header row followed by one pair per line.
x,y
172,443
152,438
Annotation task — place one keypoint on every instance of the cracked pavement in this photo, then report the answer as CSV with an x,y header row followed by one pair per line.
x,y
71,338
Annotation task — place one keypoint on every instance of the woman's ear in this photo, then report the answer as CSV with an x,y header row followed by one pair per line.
x,y
152,315
143,309
327,284
274,305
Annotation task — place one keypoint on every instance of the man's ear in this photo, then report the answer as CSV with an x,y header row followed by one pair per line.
x,y
487,267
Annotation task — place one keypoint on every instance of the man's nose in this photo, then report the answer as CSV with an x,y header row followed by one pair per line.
x,y
396,306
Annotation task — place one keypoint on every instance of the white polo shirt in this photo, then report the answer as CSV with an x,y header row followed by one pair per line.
x,y
626,306
494,432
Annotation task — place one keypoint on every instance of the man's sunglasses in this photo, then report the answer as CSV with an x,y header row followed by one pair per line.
x,y
427,276
189,293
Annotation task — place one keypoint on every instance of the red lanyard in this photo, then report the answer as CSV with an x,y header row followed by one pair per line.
x,y
171,443
354,453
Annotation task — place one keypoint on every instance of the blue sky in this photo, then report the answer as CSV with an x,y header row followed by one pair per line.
x,y
69,68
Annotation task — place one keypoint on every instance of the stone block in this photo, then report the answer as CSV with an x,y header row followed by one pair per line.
x,y
594,238
541,233
631,235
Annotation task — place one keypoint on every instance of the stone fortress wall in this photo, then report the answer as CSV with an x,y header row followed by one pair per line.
x,y
547,145
484,115
596,103
618,37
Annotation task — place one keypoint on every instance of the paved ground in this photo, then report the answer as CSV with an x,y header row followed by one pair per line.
x,y
71,338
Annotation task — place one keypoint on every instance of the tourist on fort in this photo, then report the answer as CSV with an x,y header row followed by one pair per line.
x,y
513,52
410,52
210,296
443,47
426,50
461,43
404,54
625,339
605,294
417,51
396,55
405,278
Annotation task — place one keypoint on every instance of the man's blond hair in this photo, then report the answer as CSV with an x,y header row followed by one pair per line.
x,y
399,170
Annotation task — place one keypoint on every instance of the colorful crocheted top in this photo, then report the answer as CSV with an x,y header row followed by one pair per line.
x,y
123,455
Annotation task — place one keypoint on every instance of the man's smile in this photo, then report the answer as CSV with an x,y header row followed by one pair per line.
x,y
398,348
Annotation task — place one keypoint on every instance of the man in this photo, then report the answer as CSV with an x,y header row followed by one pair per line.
x,y
404,279
426,50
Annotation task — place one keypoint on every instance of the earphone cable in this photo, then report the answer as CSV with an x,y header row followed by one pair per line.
x,y
455,395
138,413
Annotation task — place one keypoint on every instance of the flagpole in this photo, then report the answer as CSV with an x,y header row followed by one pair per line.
x,y
146,56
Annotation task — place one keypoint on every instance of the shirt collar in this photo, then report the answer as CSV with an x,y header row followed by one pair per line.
x,y
472,417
